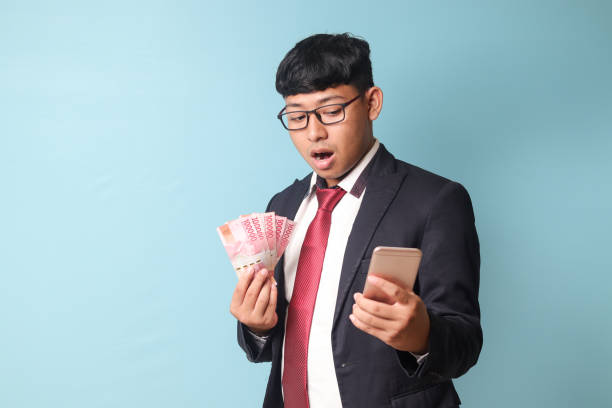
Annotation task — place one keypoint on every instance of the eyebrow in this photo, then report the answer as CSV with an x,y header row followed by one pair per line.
x,y
319,101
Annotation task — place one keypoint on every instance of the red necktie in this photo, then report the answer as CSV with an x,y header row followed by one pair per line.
x,y
301,307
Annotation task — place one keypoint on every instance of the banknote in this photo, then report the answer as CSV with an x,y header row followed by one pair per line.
x,y
241,252
256,240
279,226
285,236
270,233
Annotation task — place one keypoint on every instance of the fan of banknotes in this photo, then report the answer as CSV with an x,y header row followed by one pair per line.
x,y
257,240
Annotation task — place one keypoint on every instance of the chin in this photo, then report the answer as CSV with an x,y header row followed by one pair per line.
x,y
332,176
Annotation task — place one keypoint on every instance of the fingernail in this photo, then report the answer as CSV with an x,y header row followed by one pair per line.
x,y
372,279
351,317
355,296
263,272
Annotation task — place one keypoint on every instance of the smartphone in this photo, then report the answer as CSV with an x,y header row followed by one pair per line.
x,y
398,265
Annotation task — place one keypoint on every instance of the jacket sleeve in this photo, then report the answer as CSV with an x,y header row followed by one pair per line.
x,y
257,349
448,283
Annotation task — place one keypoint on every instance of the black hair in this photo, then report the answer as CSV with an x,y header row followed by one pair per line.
x,y
322,61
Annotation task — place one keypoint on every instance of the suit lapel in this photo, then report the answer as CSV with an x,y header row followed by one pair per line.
x,y
300,190
382,186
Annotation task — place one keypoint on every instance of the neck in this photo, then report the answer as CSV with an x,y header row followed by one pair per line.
x,y
334,182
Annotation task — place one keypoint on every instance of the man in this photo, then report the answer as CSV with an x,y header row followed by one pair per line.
x,y
328,344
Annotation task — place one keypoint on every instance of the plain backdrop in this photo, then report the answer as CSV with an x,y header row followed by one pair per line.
x,y
129,130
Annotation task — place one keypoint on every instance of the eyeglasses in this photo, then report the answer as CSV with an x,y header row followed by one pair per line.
x,y
327,115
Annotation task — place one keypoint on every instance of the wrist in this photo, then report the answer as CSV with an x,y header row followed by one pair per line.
x,y
259,332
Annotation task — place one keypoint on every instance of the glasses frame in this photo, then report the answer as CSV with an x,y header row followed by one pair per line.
x,y
314,111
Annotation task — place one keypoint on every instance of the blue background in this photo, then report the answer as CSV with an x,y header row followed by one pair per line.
x,y
130,130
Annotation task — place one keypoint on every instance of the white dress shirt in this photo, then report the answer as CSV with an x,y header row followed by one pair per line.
x,y
322,383
323,391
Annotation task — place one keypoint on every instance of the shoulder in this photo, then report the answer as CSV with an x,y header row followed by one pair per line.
x,y
427,190
416,181
422,181
291,194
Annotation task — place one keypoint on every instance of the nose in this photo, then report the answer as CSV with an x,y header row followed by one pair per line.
x,y
315,130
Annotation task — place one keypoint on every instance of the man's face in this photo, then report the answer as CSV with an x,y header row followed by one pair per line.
x,y
333,150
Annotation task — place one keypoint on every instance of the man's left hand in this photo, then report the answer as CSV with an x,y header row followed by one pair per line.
x,y
403,323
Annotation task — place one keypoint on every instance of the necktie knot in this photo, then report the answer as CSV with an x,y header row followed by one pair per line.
x,y
329,197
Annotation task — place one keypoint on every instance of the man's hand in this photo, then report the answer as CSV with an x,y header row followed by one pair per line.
x,y
403,323
254,301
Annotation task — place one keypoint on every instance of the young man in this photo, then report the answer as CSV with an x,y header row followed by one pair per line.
x,y
328,344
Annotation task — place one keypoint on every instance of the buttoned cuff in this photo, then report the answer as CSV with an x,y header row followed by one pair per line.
x,y
258,341
420,358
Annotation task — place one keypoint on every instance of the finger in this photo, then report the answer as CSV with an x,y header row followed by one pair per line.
x,y
241,287
371,320
270,314
374,307
394,291
262,300
273,298
367,328
252,292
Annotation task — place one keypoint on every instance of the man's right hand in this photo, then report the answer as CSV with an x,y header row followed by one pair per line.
x,y
254,301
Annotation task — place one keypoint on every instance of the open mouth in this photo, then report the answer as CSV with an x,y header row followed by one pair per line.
x,y
323,159
322,155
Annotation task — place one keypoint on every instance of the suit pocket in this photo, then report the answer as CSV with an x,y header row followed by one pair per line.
x,y
442,395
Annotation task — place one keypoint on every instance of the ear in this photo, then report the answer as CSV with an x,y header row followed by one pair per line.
x,y
374,98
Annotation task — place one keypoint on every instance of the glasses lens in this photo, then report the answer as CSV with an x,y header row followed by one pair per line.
x,y
331,114
294,120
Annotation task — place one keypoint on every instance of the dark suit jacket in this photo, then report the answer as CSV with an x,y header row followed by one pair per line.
x,y
403,206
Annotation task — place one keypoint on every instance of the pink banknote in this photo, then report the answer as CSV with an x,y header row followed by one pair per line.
x,y
285,236
256,240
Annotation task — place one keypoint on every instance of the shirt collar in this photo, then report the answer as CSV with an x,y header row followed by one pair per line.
x,y
355,181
